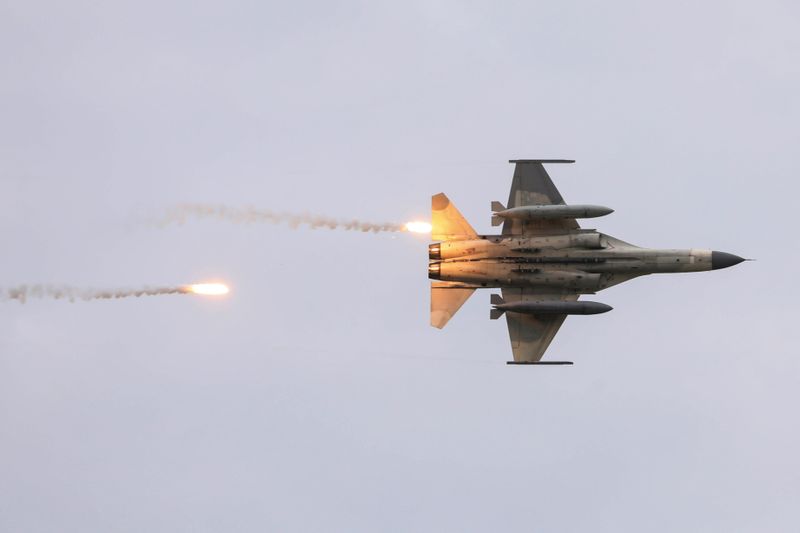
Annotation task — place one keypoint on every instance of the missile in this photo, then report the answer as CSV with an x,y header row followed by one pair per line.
x,y
532,212
546,307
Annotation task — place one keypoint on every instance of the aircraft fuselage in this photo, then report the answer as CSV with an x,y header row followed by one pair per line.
x,y
580,261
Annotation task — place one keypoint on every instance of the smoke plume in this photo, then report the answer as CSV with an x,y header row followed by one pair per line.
x,y
22,293
252,215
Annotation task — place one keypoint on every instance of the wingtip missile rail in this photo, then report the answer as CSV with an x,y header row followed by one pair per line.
x,y
546,363
542,260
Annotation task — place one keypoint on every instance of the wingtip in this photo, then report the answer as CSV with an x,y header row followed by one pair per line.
x,y
551,363
541,160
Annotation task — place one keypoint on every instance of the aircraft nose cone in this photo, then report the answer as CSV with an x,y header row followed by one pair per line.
x,y
724,260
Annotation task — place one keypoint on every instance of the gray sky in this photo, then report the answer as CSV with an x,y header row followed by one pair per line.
x,y
317,397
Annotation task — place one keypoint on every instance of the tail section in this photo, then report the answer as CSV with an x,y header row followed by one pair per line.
x,y
445,303
448,223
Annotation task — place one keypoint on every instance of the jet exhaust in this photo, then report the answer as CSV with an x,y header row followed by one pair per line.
x,y
542,260
251,215
23,293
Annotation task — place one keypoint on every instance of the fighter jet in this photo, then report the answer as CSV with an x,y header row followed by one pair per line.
x,y
542,261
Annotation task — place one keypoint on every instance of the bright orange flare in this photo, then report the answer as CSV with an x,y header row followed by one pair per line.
x,y
418,227
209,289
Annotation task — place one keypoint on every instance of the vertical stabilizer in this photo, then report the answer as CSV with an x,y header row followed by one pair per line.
x,y
445,303
448,223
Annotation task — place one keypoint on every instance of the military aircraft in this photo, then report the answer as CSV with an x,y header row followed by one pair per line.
x,y
542,262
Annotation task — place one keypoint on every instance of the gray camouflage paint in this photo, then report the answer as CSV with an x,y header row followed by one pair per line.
x,y
543,254
317,398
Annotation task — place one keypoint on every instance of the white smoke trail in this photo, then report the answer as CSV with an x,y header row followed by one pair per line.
x,y
22,293
252,215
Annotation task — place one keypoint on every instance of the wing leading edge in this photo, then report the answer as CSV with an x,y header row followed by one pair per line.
x,y
532,334
533,186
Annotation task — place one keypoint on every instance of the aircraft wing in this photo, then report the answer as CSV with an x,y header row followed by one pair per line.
x,y
531,334
533,186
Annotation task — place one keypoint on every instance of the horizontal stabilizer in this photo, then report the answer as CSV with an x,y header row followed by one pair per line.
x,y
447,222
496,299
494,314
445,303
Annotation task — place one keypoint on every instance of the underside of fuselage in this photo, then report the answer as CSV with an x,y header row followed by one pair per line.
x,y
580,262
542,261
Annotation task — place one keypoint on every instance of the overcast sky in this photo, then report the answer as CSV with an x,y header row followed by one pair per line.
x,y
317,397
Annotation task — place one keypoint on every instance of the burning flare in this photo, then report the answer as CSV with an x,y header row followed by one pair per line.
x,y
208,289
22,293
418,226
